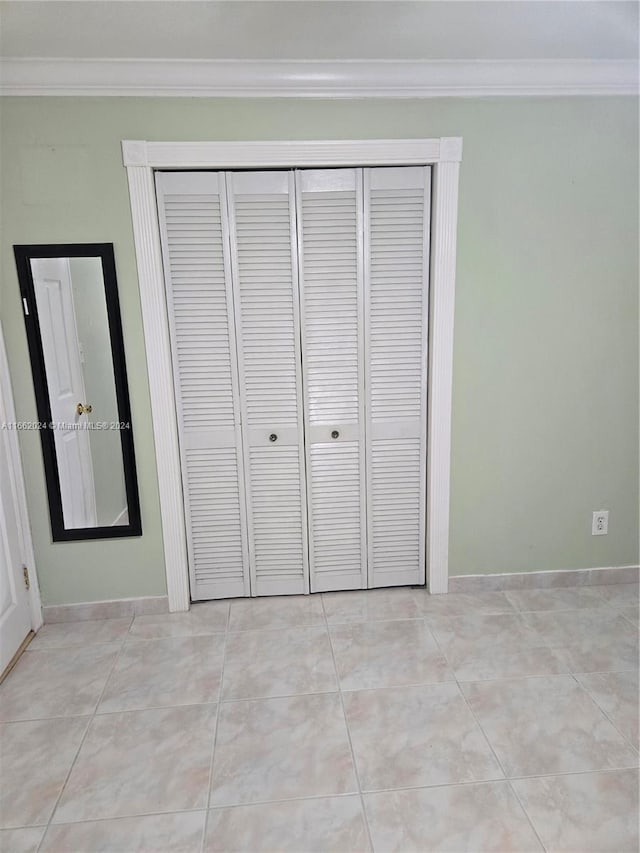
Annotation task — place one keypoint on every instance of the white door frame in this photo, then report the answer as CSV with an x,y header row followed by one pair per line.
x,y
8,413
141,158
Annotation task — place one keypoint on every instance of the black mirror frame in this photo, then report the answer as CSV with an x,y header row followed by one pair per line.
x,y
23,256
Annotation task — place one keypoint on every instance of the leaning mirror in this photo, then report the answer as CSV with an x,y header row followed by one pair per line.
x,y
72,316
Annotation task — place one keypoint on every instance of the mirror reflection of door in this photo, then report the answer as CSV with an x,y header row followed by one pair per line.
x,y
63,357
77,353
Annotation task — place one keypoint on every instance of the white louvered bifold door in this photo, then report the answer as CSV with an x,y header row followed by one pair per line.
x,y
331,296
264,260
195,247
396,204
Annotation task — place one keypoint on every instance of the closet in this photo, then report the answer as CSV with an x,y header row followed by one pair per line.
x,y
298,305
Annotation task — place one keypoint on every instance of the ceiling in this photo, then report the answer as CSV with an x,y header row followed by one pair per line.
x,y
320,29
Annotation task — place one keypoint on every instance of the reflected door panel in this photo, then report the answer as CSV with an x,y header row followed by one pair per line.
x,y
65,382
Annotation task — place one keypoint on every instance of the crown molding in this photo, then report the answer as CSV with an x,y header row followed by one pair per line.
x,y
315,79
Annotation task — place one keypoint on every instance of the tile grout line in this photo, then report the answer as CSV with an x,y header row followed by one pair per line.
x,y
586,690
133,639
113,642
82,740
506,777
488,742
469,783
556,774
513,790
348,730
464,699
215,733
630,620
558,648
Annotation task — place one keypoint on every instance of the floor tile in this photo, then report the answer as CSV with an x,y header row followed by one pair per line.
x,y
561,598
568,626
323,825
620,594
21,840
384,654
479,646
172,671
283,611
617,693
271,749
546,725
584,812
35,758
278,662
139,762
282,732
504,662
370,604
598,655
459,818
412,736
462,603
63,634
204,617
162,833
56,682
589,640
632,614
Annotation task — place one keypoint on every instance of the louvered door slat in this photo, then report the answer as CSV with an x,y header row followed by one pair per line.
x,y
264,262
192,212
330,262
396,286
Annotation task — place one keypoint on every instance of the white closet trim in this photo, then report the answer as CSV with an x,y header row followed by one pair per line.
x,y
141,158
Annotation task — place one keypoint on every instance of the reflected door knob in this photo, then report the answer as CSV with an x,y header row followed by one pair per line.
x,y
273,437
335,434
84,409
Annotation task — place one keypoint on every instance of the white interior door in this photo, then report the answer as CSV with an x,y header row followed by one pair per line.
x,y
195,246
65,382
264,268
15,613
15,616
330,214
396,234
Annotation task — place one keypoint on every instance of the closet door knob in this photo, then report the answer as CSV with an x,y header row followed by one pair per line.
x,y
273,437
335,434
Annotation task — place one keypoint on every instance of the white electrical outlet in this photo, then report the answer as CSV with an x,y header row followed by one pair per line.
x,y
600,523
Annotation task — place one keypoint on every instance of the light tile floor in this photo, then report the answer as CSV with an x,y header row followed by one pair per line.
x,y
387,720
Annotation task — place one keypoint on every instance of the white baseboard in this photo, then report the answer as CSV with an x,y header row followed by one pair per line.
x,y
119,608
548,580
123,607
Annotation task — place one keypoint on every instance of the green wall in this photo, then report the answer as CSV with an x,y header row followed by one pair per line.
x,y
545,398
